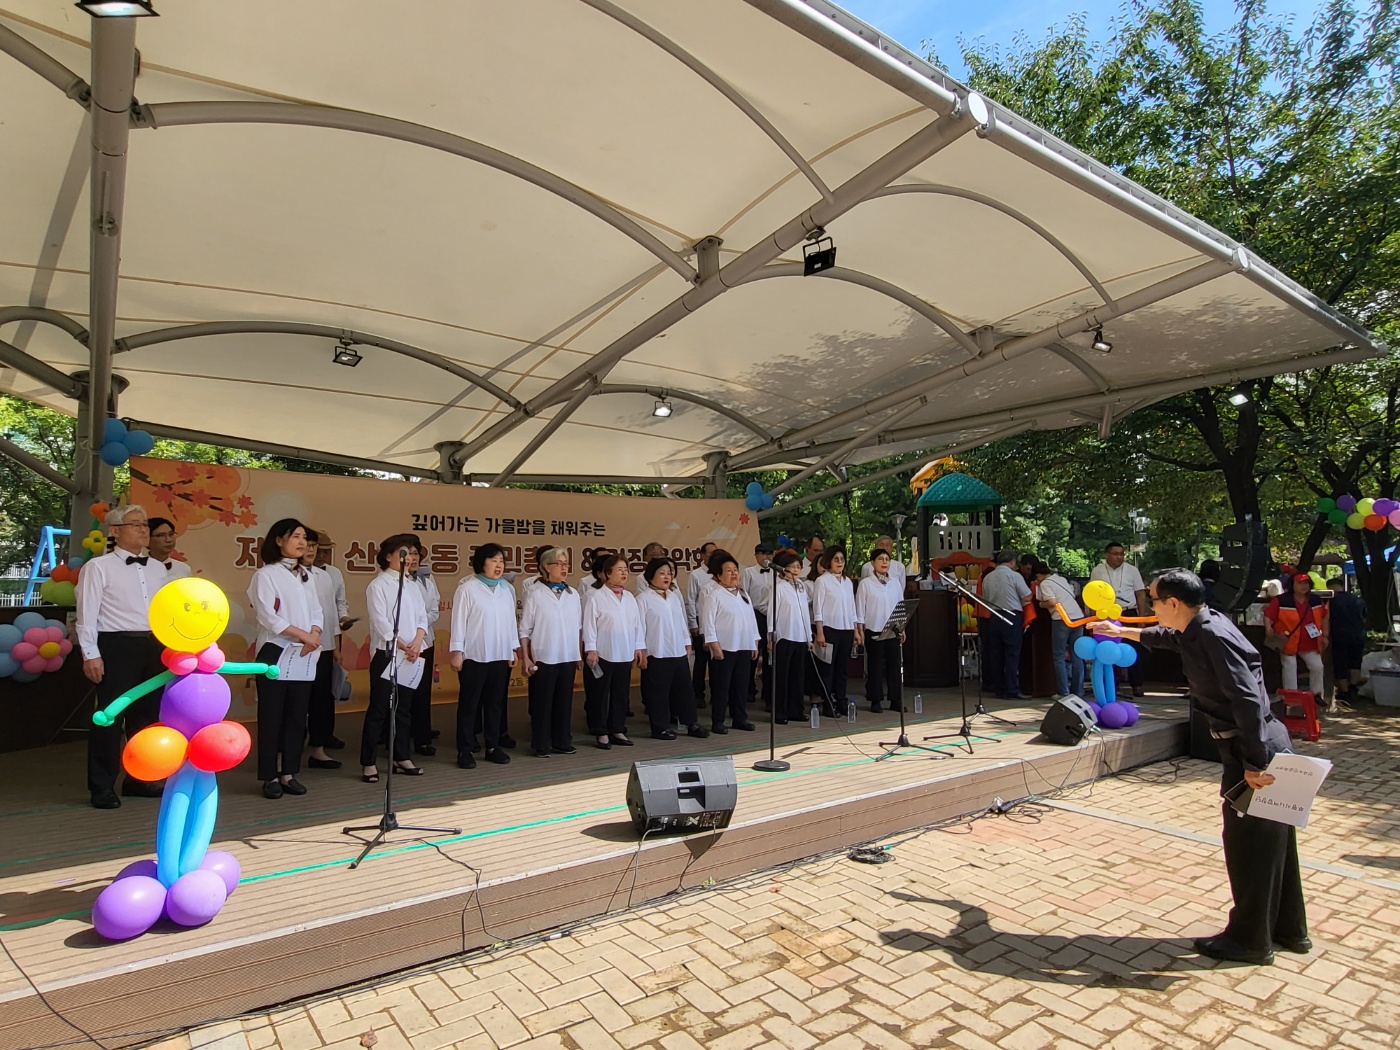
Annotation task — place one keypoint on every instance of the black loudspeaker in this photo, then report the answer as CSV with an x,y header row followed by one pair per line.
x,y
1068,720
1244,558
695,794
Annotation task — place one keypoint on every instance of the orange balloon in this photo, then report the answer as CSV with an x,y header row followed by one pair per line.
x,y
1375,522
155,752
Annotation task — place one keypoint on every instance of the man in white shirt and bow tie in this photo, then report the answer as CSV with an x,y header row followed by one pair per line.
x,y
162,547
114,633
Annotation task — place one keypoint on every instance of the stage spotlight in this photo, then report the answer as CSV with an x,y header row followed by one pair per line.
x,y
118,8
1240,395
346,355
1101,344
818,254
662,408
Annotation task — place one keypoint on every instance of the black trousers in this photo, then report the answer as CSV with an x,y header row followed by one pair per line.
x,y
761,664
605,707
376,724
281,720
1001,655
729,691
551,706
666,692
127,660
481,688
320,710
421,707
884,674
788,672
836,674
697,673
1261,858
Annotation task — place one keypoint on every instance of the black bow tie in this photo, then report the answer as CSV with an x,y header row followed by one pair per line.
x,y
134,560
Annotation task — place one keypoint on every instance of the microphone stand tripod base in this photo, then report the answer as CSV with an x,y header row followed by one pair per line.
x,y
772,765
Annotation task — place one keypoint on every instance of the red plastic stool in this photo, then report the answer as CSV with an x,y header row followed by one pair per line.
x,y
1300,713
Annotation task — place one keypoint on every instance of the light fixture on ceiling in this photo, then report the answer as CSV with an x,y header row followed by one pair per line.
x,y
1101,344
1241,395
818,254
662,408
346,355
118,8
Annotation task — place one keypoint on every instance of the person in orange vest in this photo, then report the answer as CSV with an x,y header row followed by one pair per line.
x,y
1303,625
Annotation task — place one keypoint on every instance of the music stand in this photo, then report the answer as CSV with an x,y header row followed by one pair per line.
x,y
893,628
900,616
964,731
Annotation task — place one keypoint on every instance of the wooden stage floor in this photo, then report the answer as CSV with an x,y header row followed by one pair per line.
x,y
543,843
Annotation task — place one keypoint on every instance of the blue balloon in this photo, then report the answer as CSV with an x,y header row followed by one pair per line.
x,y
114,454
10,636
8,665
1085,647
1127,656
113,432
138,442
25,620
25,676
1133,713
769,500
56,623
784,541
754,488
1106,652
754,502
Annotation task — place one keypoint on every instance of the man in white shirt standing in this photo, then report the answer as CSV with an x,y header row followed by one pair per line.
x,y
1129,592
114,633
1053,592
695,586
899,572
1005,590
814,549
330,590
162,546
757,583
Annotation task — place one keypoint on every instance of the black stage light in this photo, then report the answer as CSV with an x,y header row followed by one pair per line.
x,y
818,254
346,355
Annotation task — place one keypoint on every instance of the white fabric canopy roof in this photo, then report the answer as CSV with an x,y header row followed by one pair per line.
x,y
514,193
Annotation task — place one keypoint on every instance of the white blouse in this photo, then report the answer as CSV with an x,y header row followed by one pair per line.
x,y
282,598
727,617
758,585
663,623
380,596
612,626
834,602
792,619
875,600
696,584
483,621
551,620
432,601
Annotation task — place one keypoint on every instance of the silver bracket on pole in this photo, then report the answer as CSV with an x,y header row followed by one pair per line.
x,y
717,463
1106,423
707,258
449,472
985,338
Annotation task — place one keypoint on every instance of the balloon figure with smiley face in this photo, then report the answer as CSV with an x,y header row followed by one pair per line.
x,y
190,744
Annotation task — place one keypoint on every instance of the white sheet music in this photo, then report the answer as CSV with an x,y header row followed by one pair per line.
x,y
409,674
1289,798
294,666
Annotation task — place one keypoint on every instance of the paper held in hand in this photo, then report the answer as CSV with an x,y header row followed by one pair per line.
x,y
295,666
409,674
1289,798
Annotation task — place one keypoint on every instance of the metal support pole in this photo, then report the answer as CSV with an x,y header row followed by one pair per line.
x,y
717,464
850,446
25,458
447,473
113,82
555,422
51,377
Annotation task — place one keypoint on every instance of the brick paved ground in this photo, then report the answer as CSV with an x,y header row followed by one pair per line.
x,y
1059,926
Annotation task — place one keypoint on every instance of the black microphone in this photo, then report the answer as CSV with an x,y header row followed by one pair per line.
x,y
403,552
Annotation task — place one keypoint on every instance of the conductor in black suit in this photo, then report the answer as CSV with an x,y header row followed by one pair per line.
x,y
1227,682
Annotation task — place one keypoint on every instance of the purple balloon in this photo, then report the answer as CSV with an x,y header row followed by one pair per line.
x,y
1385,507
1346,502
128,908
223,865
1133,713
196,898
138,867
1111,716
194,701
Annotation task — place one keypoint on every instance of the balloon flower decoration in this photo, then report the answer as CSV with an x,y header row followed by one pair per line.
x,y
32,646
190,744
756,499
61,588
1106,652
120,444
1358,514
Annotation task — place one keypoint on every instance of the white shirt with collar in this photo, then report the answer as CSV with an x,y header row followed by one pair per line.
x,y
283,596
664,624
792,617
483,621
1055,588
727,618
325,594
612,626
115,596
432,601
834,602
758,585
695,587
380,597
1125,580
899,572
552,620
875,600
176,569
1004,588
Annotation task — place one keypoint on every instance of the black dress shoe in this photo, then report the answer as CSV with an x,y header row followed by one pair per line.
x,y
602,745
466,761
1228,951
272,789
498,756
570,750
541,754
780,721
698,731
437,733
896,708
106,800
720,730
875,709
427,750
619,740
409,771
294,787
664,734
507,741
334,743
323,763
748,726
1301,946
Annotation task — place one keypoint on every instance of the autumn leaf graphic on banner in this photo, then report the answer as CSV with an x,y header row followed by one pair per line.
x,y
191,494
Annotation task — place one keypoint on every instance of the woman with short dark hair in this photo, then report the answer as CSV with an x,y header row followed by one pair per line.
x,y
667,694
482,650
385,603
834,624
730,630
791,634
289,616
612,638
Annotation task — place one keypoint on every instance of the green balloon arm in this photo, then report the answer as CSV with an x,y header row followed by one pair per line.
x,y
268,670
108,715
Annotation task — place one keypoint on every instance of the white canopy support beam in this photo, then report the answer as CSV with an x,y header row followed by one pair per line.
x,y
216,328
673,394
842,451
51,377
592,479
41,62
717,82
544,435
10,314
1090,372
46,471
178,114
269,448
923,144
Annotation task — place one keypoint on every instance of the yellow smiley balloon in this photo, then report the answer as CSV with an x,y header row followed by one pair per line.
x,y
188,615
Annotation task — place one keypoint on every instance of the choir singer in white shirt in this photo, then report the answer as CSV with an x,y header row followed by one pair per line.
x,y
402,649
666,691
550,625
731,634
834,622
790,633
876,598
612,638
483,644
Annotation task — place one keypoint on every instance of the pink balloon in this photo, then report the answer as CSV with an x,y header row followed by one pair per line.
x,y
179,663
36,636
23,651
65,647
211,660
54,634
1395,518
53,663
36,664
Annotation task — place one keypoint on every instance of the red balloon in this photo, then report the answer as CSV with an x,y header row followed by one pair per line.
x,y
1375,522
220,746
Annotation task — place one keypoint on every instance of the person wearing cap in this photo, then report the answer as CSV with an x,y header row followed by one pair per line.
x,y
1302,624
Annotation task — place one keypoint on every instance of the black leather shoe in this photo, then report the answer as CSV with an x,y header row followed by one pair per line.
x,y
780,721
498,756
1301,946
571,750
426,750
323,763
272,789
294,787
106,800
507,741
541,754
602,745
747,726
896,708
698,731
618,740
720,730
466,761
875,709
665,734
1228,951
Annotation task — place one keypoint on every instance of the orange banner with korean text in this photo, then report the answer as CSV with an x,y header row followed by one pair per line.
x,y
221,515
